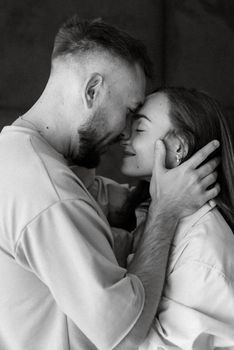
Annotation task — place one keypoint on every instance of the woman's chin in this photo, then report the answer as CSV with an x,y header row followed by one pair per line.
x,y
127,173
134,173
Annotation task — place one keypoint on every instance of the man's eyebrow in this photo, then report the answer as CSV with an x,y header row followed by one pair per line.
x,y
137,116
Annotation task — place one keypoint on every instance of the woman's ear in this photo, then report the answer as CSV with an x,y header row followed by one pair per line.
x,y
92,89
177,149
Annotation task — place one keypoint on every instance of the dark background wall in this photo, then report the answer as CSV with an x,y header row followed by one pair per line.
x,y
190,42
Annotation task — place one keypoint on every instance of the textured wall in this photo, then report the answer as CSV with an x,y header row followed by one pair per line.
x,y
200,46
191,44
29,27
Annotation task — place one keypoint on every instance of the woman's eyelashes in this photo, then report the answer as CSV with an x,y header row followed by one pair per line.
x,y
139,127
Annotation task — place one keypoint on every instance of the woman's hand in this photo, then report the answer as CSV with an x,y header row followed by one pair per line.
x,y
184,189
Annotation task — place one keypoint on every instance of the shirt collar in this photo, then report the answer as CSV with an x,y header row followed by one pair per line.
x,y
189,221
32,132
23,129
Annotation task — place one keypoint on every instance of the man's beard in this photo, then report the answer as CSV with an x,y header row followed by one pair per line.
x,y
92,138
89,156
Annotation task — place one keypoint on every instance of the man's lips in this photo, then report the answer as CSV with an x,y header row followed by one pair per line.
x,y
128,153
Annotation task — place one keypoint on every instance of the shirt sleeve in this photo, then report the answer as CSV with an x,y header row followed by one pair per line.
x,y
195,311
67,247
109,194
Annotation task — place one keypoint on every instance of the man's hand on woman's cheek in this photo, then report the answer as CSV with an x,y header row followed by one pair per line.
x,y
184,189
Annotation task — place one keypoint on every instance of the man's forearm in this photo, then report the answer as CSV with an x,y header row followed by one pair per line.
x,y
149,264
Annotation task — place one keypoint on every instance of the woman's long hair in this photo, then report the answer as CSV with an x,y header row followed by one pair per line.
x,y
199,119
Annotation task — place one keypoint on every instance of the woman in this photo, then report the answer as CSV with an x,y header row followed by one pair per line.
x,y
197,306
196,311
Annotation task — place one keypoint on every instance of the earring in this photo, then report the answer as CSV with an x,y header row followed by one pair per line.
x,y
178,158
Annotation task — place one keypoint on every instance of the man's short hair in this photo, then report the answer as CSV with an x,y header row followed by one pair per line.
x,y
82,36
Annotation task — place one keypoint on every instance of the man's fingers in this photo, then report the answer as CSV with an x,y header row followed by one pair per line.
x,y
160,155
202,154
209,180
213,192
208,168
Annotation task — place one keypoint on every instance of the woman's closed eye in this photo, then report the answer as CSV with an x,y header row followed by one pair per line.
x,y
139,127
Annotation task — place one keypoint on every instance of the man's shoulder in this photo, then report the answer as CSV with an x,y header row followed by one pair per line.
x,y
39,165
33,178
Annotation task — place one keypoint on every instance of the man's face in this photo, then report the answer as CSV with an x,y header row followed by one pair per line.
x,y
125,92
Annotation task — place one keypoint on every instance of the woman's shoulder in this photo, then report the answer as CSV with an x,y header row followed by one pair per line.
x,y
206,240
212,231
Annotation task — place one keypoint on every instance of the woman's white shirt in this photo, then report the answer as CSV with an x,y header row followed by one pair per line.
x,y
196,311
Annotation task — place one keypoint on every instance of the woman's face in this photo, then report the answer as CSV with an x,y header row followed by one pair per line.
x,y
152,122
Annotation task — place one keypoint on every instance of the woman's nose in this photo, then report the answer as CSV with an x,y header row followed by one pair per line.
x,y
125,134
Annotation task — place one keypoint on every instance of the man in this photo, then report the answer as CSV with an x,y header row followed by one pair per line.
x,y
61,286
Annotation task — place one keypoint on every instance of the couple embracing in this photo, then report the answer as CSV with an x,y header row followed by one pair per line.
x,y
86,263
